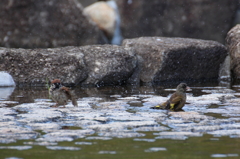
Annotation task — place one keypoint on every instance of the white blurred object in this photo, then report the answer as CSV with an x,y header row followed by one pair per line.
x,y
5,92
6,79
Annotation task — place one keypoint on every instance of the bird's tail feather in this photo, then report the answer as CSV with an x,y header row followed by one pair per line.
x,y
160,106
74,102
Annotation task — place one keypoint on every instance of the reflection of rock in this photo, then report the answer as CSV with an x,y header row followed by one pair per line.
x,y
112,119
177,59
45,24
233,45
225,72
203,19
5,92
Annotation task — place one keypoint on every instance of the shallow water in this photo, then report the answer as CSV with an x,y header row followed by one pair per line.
x,y
115,122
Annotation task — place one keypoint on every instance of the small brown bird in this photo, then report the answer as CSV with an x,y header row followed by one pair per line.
x,y
61,94
177,100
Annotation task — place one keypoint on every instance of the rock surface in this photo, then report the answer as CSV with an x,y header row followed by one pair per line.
x,y
86,3
35,67
91,65
44,24
232,43
176,59
202,19
108,64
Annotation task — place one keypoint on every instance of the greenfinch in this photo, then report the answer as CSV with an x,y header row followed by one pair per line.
x,y
177,99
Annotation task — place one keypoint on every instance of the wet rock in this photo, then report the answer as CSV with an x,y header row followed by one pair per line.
x,y
83,143
40,65
155,149
117,126
63,148
177,59
11,133
88,65
113,105
225,71
41,143
193,19
45,127
151,128
98,138
224,155
232,43
188,116
7,114
225,111
39,115
108,64
16,147
46,24
141,139
122,134
55,139
13,158
219,133
66,135
107,152
177,135
71,133
200,116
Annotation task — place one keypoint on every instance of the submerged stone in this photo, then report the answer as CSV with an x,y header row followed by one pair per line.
x,y
16,147
155,149
63,148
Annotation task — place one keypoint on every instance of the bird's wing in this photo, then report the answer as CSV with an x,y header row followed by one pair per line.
x,y
175,100
66,91
70,95
160,106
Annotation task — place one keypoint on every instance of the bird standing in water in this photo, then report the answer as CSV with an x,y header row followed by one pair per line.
x,y
61,94
177,100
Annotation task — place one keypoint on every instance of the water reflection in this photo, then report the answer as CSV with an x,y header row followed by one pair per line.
x,y
5,92
123,124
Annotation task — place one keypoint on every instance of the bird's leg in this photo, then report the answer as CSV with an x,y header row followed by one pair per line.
x,y
56,105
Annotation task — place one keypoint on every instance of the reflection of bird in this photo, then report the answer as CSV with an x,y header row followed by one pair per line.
x,y
61,94
177,100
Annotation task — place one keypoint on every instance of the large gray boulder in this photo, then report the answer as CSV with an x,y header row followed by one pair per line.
x,y
108,64
89,65
201,19
232,43
176,59
46,23
37,66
